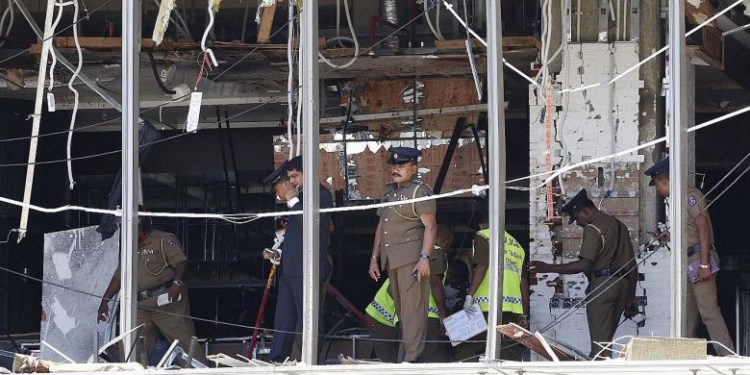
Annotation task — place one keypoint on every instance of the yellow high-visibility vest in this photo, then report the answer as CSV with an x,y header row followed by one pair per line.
x,y
514,257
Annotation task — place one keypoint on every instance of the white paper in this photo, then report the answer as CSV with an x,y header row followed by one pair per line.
x,y
462,326
163,299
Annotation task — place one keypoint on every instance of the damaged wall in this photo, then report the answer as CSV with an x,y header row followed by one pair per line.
x,y
368,173
586,125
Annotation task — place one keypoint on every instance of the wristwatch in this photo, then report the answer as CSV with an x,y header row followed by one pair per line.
x,y
704,266
177,282
424,255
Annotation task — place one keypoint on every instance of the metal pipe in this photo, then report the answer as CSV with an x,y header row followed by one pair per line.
x,y
310,192
389,13
131,46
496,150
677,138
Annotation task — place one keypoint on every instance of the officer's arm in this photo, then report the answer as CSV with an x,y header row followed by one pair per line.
x,y
479,271
376,243
436,283
581,265
113,287
430,232
703,236
179,270
525,291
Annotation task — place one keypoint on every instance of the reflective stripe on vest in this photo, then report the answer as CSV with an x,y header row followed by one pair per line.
x,y
514,257
382,308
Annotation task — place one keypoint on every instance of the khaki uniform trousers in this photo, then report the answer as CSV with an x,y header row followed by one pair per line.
x,y
436,351
509,349
386,344
604,312
171,320
411,299
702,305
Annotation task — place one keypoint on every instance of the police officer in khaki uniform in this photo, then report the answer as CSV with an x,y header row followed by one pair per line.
x,y
606,256
161,268
404,240
515,293
702,303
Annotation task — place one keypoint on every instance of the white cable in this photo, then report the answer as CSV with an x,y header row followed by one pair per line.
x,y
657,53
52,53
553,175
566,99
8,12
613,342
75,94
210,25
436,33
726,175
354,38
290,79
475,189
728,187
484,43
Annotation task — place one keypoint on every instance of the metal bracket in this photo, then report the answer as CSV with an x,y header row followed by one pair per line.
x,y
635,20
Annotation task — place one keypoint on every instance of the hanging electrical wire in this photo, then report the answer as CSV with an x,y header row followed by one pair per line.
x,y
8,12
60,6
213,7
76,95
353,39
435,31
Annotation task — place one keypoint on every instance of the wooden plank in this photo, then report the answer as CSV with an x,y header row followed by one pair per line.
x,y
527,339
266,23
509,42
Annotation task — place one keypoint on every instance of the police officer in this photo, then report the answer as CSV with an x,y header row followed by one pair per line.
x,y
515,291
287,182
161,270
404,240
702,304
607,257
385,329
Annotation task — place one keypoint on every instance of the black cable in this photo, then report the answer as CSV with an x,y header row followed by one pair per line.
x,y
106,153
89,14
79,128
163,88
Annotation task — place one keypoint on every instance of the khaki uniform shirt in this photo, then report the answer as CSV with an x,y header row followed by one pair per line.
x,y
158,255
697,206
402,230
606,242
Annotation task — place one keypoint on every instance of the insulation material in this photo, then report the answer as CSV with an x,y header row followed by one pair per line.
x,y
592,127
162,20
76,259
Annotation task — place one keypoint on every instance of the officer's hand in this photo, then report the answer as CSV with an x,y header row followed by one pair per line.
x,y
469,305
374,270
704,274
103,312
422,269
291,193
174,292
523,321
538,267
631,311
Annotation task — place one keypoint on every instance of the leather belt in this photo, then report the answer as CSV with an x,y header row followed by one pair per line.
x,y
148,293
607,272
696,248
